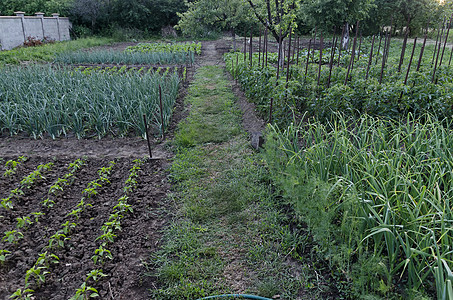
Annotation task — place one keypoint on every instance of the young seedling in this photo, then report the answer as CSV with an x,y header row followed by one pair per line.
x,y
26,294
67,227
13,236
4,255
107,237
101,254
37,215
38,273
85,292
95,275
23,222
57,240
48,203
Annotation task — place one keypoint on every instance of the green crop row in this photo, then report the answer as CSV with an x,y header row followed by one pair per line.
x,y
109,228
42,100
47,52
166,47
392,97
377,195
182,71
118,57
36,276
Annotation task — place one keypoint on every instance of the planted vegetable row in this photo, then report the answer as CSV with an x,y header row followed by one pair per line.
x,y
42,100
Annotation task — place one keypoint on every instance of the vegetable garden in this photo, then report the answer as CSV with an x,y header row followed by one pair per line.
x,y
360,148
78,227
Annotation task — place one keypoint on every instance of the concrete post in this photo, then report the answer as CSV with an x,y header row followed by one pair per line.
x,y
57,16
41,16
21,14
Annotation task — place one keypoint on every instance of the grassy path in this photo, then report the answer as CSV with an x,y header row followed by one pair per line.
x,y
227,235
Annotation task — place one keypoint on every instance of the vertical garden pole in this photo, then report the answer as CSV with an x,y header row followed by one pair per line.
x,y
422,51
289,56
161,113
360,46
437,40
339,48
245,46
370,59
410,61
383,57
259,48
251,47
445,43
332,56
437,57
308,58
379,47
147,136
403,52
351,61
409,67
320,58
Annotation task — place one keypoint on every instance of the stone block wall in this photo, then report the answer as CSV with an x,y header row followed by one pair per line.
x,y
14,30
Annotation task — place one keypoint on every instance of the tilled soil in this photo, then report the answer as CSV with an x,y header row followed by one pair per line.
x,y
140,232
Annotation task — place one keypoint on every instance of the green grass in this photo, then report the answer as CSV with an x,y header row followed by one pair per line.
x,y
226,236
48,52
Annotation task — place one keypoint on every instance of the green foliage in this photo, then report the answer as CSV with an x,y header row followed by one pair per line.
x,y
49,51
129,57
372,190
328,14
98,104
166,48
206,17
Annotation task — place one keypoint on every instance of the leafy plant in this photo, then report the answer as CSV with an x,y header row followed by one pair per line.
x,y
13,236
85,292
19,294
3,255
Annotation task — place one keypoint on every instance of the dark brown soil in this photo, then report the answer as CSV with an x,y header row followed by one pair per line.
x,y
141,230
140,233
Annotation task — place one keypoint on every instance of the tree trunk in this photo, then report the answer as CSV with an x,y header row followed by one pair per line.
x,y
345,38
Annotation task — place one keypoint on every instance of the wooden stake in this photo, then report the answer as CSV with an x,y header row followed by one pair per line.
x,y
422,51
403,52
147,136
161,113
351,61
445,43
332,56
251,47
320,58
308,59
370,59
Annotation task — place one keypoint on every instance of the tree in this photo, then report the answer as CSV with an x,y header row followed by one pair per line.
x,y
206,16
278,17
328,15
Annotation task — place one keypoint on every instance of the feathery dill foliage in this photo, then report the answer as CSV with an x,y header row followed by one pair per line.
x,y
39,100
377,195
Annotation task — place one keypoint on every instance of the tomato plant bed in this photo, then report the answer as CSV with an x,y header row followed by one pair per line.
x,y
138,236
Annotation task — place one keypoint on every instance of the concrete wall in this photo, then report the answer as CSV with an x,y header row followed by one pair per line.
x,y
15,30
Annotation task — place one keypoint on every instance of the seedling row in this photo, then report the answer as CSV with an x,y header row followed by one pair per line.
x,y
91,202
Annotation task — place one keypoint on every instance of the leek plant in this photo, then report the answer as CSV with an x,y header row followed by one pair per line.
x,y
118,57
43,100
385,188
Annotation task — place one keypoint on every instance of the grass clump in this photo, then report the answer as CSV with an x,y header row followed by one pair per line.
x,y
225,234
48,52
